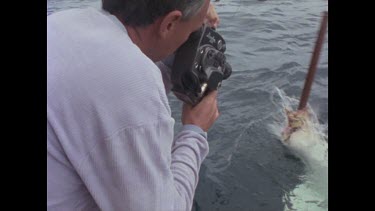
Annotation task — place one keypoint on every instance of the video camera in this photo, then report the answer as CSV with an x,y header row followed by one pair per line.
x,y
199,65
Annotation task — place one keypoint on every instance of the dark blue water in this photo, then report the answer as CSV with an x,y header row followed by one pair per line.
x,y
269,44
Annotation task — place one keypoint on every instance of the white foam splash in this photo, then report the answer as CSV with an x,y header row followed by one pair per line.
x,y
311,146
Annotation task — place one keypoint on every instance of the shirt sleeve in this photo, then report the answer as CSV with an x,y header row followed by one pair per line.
x,y
137,169
195,128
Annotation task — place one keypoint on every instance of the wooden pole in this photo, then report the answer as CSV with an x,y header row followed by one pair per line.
x,y
314,62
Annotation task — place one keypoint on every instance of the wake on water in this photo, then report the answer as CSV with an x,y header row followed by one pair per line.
x,y
310,144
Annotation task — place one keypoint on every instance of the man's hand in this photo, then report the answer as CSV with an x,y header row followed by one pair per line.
x,y
204,114
212,19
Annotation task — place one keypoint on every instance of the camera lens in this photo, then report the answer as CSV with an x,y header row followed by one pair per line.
x,y
210,53
220,57
227,70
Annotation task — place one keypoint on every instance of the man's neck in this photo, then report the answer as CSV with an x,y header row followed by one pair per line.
x,y
144,38
141,37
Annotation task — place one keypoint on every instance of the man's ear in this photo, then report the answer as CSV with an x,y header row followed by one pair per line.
x,y
169,23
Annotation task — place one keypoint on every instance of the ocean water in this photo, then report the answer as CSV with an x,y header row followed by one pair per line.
x,y
269,45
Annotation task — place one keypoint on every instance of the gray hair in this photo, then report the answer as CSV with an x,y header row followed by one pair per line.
x,y
145,12
191,9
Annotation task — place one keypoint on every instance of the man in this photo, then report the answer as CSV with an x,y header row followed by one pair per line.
x,y
110,141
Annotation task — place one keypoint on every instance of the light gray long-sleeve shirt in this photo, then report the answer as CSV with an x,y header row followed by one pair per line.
x,y
110,141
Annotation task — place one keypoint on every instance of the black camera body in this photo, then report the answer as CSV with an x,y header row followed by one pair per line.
x,y
199,65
